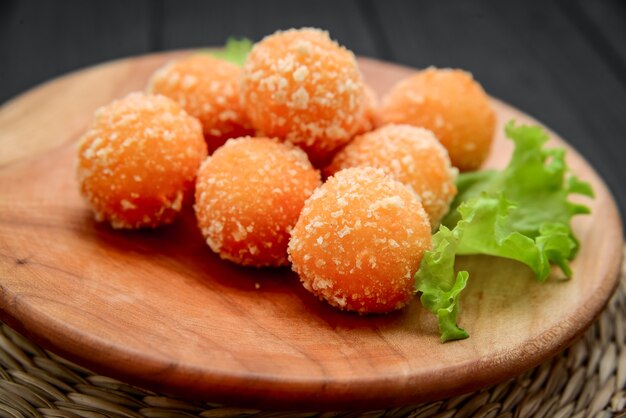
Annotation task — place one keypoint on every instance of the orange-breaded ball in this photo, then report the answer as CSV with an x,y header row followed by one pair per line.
x,y
301,86
452,105
359,241
208,89
137,162
412,156
249,194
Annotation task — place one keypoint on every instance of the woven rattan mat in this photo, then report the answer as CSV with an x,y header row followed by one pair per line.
x,y
586,380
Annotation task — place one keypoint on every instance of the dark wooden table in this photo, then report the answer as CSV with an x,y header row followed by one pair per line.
x,y
563,62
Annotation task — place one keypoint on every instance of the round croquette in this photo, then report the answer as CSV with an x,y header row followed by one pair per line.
x,y
138,160
249,194
452,105
411,155
300,86
208,89
359,240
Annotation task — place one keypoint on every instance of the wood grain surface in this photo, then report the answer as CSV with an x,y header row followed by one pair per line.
x,y
160,310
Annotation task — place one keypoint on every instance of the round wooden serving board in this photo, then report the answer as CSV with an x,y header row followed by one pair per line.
x,y
158,309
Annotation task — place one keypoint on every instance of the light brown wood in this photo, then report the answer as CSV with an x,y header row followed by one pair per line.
x,y
158,309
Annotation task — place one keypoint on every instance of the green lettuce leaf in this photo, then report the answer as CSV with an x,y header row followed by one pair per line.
x,y
536,179
235,50
440,289
521,213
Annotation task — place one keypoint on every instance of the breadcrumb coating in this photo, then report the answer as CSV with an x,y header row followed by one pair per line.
x,y
359,241
452,105
300,86
249,195
411,155
208,89
137,162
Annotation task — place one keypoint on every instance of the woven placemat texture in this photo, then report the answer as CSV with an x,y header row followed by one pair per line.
x,y
586,380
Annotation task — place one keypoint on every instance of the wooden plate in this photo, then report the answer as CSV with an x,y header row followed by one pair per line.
x,y
158,309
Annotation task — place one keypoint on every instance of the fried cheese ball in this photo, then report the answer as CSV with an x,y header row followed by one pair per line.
x,y
411,155
359,241
452,105
249,195
301,86
137,162
208,89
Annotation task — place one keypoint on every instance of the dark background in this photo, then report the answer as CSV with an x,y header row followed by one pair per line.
x,y
563,62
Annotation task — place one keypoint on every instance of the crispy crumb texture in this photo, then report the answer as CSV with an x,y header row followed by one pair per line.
x,y
359,241
249,194
208,89
452,105
412,156
138,159
301,86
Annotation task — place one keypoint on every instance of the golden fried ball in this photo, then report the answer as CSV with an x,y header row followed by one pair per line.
x,y
301,86
452,105
208,89
249,194
359,241
138,161
411,155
